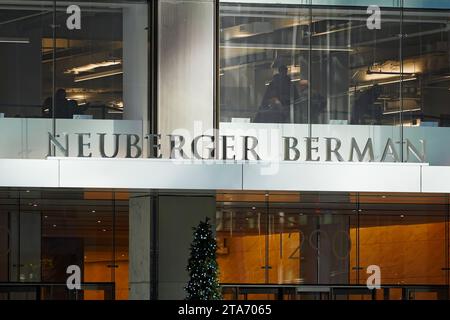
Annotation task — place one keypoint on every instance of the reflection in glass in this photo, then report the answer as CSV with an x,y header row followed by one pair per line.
x,y
331,239
322,65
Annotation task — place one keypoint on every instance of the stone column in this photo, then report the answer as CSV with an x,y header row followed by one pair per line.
x,y
135,65
186,68
139,247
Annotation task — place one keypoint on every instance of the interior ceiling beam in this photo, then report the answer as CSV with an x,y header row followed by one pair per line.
x,y
331,18
34,15
59,8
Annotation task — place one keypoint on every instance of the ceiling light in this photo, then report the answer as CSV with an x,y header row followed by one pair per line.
x,y
99,221
14,40
99,75
54,226
93,211
282,47
93,66
395,73
383,83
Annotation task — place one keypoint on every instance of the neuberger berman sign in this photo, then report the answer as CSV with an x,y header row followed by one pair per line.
x,y
204,147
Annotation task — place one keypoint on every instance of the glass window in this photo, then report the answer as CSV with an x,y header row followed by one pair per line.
x,y
46,231
79,62
334,240
333,71
25,38
264,62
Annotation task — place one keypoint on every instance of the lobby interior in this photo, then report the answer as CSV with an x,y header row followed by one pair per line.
x,y
268,242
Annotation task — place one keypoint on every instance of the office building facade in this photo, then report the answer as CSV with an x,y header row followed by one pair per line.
x,y
312,133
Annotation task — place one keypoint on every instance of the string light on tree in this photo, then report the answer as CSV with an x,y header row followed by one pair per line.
x,y
202,265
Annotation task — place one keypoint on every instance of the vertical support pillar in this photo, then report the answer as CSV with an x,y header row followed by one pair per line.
x,y
135,64
139,247
186,67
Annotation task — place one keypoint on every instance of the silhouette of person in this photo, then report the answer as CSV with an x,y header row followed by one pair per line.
x,y
64,108
364,107
279,95
282,87
272,112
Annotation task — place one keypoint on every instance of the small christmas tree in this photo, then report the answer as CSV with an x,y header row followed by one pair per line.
x,y
202,265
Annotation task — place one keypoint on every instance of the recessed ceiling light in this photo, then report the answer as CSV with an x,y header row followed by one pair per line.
x,y
99,75
93,66
402,216
54,226
45,217
93,211
27,191
254,208
14,40
104,230
99,221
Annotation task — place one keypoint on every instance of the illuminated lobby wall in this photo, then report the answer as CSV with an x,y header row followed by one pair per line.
x,y
242,261
94,271
410,254
406,235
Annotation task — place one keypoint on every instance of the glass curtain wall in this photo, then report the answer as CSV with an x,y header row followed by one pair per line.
x,y
336,69
45,231
332,239
73,67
